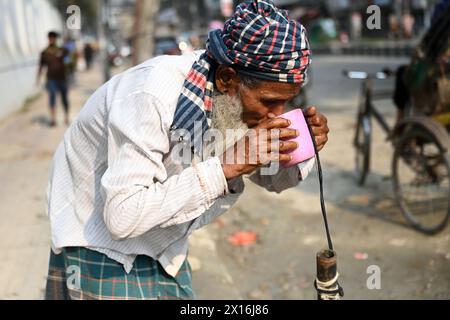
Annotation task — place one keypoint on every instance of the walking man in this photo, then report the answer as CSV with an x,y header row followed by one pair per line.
x,y
53,58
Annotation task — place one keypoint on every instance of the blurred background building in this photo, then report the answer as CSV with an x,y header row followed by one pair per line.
x,y
131,31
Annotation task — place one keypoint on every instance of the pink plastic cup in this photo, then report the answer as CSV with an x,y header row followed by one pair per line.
x,y
306,150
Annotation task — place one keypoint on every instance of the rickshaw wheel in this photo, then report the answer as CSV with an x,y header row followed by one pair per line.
x,y
421,176
362,143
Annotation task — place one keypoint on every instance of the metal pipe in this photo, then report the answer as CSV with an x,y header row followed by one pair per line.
x,y
326,283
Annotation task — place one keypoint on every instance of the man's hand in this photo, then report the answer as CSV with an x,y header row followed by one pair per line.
x,y
266,144
319,126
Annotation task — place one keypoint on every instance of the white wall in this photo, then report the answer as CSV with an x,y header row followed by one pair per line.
x,y
24,25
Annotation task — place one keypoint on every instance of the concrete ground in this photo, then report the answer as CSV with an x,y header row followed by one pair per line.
x,y
367,227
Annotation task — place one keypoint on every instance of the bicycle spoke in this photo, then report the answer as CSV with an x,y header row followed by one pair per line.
x,y
422,181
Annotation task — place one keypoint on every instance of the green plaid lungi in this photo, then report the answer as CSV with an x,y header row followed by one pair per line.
x,y
83,274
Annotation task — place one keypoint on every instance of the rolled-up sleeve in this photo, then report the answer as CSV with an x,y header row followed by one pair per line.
x,y
139,195
285,178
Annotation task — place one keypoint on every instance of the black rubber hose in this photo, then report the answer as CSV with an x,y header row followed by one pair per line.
x,y
322,198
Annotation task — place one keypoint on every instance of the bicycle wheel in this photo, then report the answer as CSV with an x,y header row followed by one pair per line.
x,y
362,148
421,170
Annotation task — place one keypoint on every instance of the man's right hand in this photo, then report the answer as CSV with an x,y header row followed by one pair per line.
x,y
258,151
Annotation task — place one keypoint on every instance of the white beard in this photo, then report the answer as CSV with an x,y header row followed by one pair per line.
x,y
227,115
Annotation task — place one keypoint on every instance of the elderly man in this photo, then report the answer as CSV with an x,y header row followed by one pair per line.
x,y
122,206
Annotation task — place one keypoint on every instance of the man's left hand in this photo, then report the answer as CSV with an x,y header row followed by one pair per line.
x,y
319,126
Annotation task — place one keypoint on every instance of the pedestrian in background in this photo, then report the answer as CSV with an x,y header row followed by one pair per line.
x,y
52,58
88,55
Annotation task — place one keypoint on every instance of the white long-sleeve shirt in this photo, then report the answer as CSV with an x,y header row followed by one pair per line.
x,y
114,186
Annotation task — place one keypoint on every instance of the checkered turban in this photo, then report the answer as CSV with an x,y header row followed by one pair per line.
x,y
261,41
